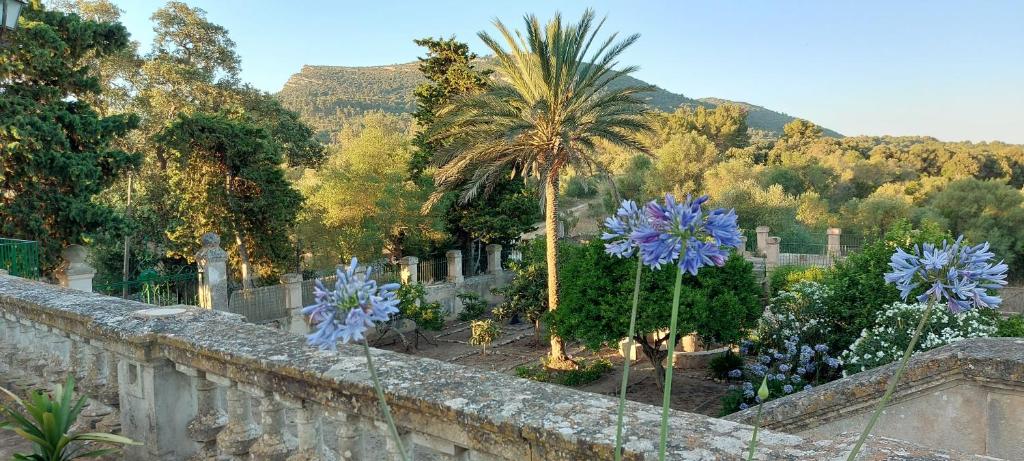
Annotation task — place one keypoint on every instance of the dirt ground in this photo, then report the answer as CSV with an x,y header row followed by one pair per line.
x,y
692,390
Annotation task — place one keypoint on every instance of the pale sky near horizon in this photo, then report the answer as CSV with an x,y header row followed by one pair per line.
x,y
952,70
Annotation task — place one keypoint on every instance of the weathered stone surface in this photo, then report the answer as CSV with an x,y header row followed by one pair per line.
x,y
485,415
966,396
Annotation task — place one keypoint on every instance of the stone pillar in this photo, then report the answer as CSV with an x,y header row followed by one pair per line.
x,y
494,259
156,407
292,286
307,422
762,240
409,269
743,246
454,258
74,272
834,236
270,445
213,273
209,418
771,255
240,432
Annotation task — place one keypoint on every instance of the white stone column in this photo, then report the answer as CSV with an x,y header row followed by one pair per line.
x,y
213,273
292,286
454,258
74,272
771,259
834,238
762,240
743,246
270,445
494,259
409,269
209,418
240,432
307,424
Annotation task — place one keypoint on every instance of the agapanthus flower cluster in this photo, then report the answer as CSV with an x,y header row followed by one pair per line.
x,y
673,232
959,274
795,367
618,229
355,304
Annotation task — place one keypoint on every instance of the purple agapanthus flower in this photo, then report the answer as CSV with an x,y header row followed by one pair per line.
x,y
675,232
618,229
355,304
959,274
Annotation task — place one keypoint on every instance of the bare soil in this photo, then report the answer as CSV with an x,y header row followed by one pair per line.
x,y
692,390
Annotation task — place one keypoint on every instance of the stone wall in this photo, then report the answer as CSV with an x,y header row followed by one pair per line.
x,y
967,396
200,382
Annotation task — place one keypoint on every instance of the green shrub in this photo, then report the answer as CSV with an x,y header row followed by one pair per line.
x,y
581,187
801,311
786,275
720,304
721,366
47,421
587,373
890,334
527,293
857,286
472,306
1011,327
483,333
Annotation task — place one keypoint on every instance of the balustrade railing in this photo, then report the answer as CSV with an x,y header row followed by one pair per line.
x,y
199,384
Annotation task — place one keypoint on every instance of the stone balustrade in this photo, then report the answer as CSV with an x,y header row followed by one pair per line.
x,y
202,384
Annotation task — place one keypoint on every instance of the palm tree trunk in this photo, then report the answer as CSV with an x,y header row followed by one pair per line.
x,y
557,358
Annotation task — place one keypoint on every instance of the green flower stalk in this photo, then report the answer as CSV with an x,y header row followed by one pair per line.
x,y
762,395
961,275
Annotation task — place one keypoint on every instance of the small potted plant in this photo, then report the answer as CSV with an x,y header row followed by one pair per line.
x,y
484,332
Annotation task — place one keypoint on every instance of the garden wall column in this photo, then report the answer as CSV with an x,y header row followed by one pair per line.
x,y
409,269
743,246
771,258
762,240
494,259
834,237
213,273
292,286
454,258
74,272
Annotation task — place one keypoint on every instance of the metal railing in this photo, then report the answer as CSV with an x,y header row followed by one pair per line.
x,y
433,271
20,258
259,305
160,290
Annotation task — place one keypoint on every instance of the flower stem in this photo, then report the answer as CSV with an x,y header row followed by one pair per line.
x,y
384,408
627,359
753,438
892,382
667,396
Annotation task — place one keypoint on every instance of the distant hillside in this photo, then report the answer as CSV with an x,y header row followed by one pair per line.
x,y
326,95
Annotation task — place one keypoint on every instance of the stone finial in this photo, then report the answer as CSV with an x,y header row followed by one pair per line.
x,y
834,246
292,284
409,269
771,258
454,258
74,272
494,259
211,260
762,239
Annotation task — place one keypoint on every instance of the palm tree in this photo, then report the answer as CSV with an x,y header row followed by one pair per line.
x,y
556,96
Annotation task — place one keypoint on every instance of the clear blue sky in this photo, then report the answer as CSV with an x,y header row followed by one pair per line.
x,y
953,70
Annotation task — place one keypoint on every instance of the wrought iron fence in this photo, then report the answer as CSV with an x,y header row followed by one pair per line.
x,y
20,258
152,288
434,270
259,305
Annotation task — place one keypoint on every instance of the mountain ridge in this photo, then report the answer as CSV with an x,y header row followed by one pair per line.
x,y
323,94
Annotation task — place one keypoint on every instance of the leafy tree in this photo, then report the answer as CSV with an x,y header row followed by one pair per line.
x,y
680,163
413,306
57,152
508,211
361,202
725,125
719,304
553,101
985,211
230,181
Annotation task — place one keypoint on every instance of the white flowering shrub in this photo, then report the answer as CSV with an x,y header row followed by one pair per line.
x,y
886,340
797,311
